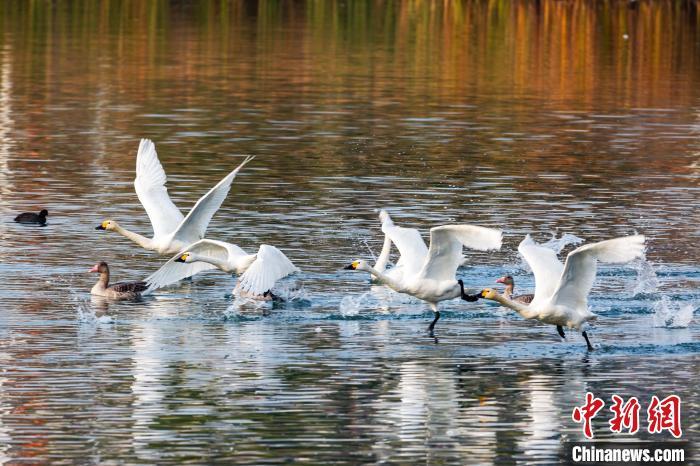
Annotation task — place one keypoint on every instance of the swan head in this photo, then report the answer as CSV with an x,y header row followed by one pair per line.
x,y
185,257
488,293
100,267
43,213
107,225
506,280
359,265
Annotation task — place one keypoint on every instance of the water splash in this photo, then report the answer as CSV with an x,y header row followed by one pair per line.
x,y
647,281
667,313
87,314
670,314
291,290
351,305
369,248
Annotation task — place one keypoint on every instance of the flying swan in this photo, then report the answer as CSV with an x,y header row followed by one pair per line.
x,y
561,290
431,276
258,272
412,243
171,231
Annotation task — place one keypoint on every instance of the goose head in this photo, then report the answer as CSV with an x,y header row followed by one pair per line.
x,y
107,225
489,293
100,267
506,280
359,265
185,257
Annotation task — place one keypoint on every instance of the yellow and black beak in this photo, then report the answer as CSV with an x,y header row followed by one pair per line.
x,y
182,258
483,293
101,226
352,266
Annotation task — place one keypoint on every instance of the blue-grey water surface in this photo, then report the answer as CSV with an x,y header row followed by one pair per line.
x,y
533,117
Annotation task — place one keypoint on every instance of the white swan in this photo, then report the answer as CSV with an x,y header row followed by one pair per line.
x,y
432,278
258,272
171,231
561,290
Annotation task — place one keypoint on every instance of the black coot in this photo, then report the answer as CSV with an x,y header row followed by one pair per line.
x,y
37,219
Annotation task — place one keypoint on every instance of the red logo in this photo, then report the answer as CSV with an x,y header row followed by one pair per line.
x,y
665,415
587,412
661,415
626,415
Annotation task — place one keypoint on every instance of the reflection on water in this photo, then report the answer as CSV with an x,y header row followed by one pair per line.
x,y
537,117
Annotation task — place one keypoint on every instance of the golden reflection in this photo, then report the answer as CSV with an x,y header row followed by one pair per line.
x,y
562,52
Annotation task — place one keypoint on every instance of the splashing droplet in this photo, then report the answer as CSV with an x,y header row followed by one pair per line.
x,y
647,281
670,314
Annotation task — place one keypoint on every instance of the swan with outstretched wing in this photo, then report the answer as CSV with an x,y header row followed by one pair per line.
x,y
561,290
171,230
258,272
429,274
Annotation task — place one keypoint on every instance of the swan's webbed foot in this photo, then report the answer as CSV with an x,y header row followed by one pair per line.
x,y
468,297
560,330
588,342
431,327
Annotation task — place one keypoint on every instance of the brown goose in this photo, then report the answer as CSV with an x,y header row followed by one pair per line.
x,y
121,290
507,280
30,217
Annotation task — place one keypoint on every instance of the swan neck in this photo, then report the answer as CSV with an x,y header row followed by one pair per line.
x,y
135,237
215,261
383,258
521,309
393,284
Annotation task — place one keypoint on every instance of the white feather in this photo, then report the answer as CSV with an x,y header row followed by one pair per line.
x,y
195,224
151,191
409,243
446,242
580,269
172,231
545,266
269,266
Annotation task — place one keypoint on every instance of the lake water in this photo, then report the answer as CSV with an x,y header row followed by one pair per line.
x,y
534,117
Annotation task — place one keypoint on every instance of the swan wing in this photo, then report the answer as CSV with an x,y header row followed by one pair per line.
x,y
151,191
580,269
172,271
410,245
446,242
193,227
545,265
269,266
